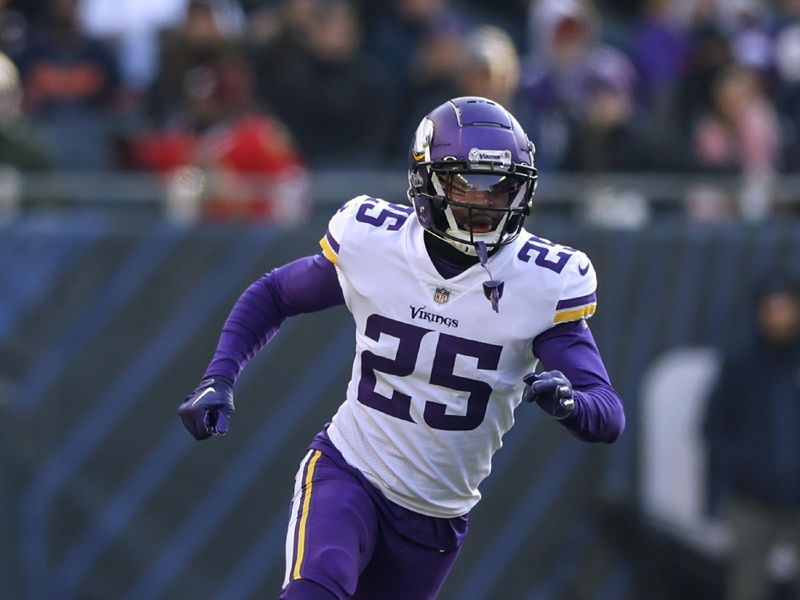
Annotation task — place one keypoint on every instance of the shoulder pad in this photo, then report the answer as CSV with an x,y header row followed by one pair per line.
x,y
336,227
365,210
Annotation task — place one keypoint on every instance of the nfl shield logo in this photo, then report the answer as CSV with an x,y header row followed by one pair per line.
x,y
441,295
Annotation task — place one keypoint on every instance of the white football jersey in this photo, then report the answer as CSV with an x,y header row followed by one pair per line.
x,y
437,373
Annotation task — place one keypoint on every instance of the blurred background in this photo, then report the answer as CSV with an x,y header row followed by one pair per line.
x,y
156,156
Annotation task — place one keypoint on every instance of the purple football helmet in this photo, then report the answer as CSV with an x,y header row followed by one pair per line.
x,y
464,146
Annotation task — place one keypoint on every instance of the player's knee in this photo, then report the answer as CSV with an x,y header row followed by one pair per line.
x,y
305,589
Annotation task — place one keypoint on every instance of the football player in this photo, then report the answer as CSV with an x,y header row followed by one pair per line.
x,y
454,304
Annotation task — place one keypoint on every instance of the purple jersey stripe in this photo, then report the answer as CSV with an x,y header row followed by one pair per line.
x,y
334,244
570,302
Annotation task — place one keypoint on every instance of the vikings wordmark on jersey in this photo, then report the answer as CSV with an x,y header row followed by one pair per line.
x,y
437,373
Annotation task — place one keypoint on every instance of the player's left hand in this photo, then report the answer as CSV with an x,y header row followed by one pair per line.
x,y
207,410
552,391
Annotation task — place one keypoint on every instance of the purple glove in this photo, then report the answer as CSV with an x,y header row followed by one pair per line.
x,y
207,410
552,391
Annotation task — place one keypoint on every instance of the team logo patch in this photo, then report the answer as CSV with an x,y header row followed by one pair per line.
x,y
441,295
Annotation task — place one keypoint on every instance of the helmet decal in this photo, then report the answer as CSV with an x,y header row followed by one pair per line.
x,y
420,149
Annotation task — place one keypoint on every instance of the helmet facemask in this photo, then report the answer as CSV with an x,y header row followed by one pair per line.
x,y
475,201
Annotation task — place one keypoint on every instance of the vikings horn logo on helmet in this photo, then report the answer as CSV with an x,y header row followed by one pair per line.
x,y
422,140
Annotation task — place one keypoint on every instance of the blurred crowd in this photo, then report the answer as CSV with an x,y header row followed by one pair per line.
x,y
275,87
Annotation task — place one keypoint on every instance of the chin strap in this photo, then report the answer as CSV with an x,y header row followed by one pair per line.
x,y
493,288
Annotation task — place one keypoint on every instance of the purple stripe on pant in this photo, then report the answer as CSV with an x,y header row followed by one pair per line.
x,y
352,546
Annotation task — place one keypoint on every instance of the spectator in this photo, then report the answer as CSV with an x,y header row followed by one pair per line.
x,y
251,169
566,56
709,54
71,84
752,428
741,134
608,136
286,29
396,35
21,144
491,68
332,97
659,46
741,130
206,34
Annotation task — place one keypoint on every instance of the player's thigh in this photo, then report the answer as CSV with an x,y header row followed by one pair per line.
x,y
332,527
401,569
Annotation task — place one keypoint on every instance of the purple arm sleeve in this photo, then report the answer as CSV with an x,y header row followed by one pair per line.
x,y
306,285
570,348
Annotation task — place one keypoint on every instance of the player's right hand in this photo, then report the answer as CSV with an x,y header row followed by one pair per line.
x,y
207,410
